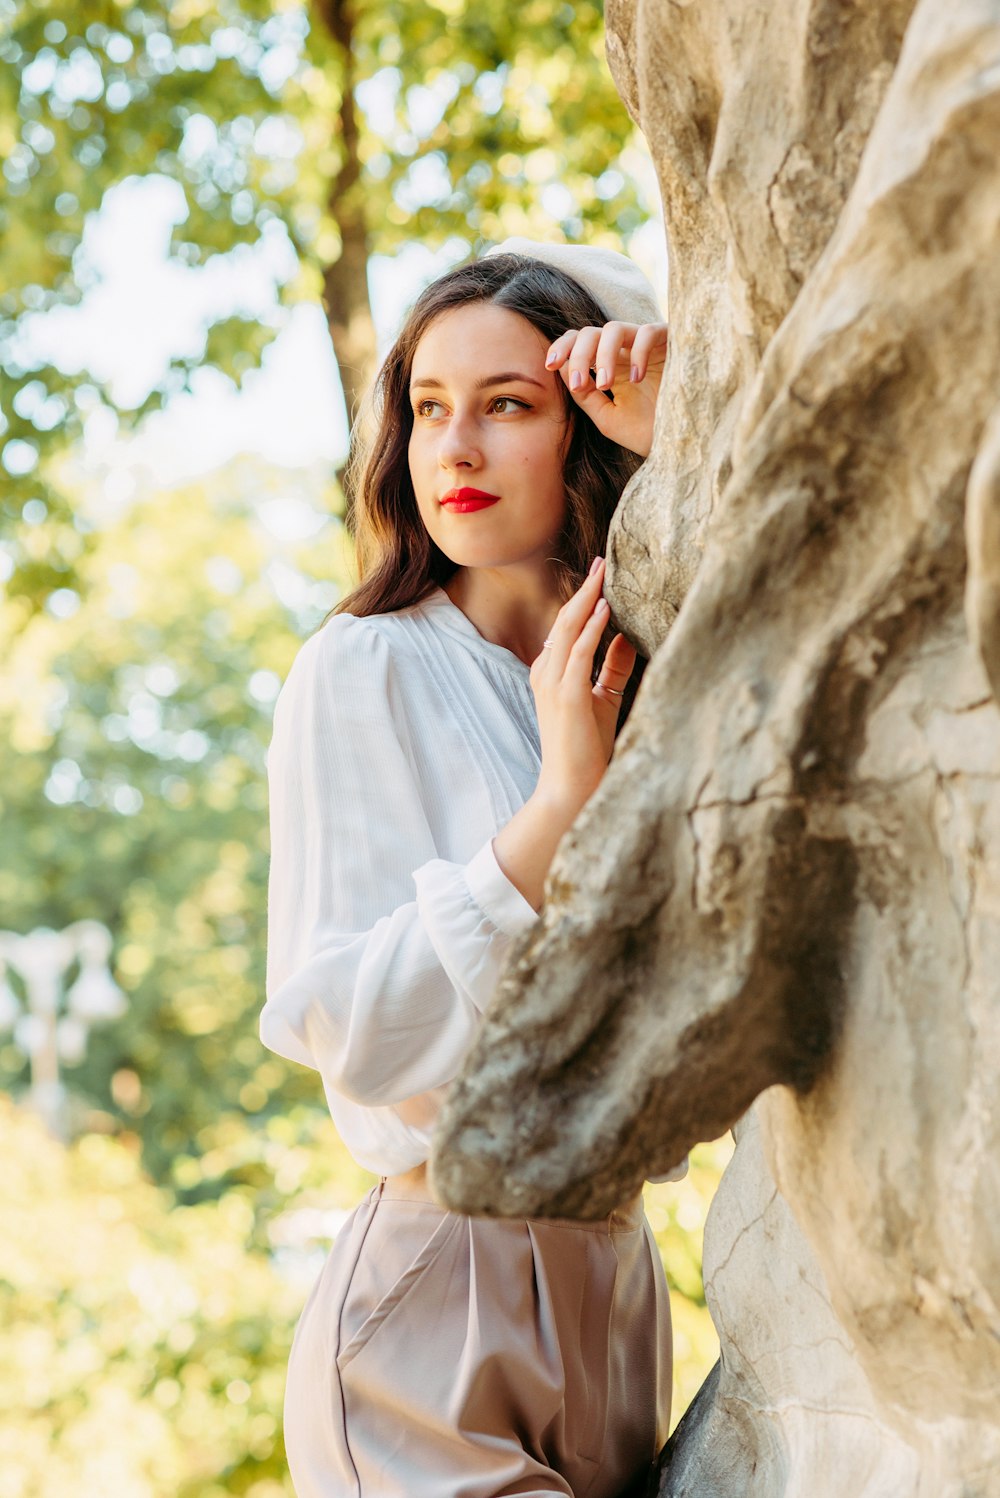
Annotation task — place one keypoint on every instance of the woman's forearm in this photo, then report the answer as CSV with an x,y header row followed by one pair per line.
x,y
526,846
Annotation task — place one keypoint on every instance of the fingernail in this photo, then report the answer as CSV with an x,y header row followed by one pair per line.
x,y
595,564
634,374
602,606
602,378
550,359
575,380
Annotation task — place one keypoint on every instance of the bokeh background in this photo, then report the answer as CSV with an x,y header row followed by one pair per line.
x,y
212,216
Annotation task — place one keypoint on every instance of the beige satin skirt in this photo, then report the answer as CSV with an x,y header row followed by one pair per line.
x,y
442,1356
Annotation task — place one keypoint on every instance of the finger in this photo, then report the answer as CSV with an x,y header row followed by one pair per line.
x,y
571,619
650,339
618,664
615,337
580,663
608,703
609,690
576,369
576,376
560,350
593,402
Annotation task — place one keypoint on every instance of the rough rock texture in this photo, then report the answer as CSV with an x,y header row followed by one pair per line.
x,y
784,1350
789,881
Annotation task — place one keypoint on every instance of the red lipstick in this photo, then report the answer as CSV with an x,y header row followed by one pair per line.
x,y
462,501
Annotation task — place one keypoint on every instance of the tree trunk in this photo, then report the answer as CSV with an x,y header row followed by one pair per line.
x,y
345,281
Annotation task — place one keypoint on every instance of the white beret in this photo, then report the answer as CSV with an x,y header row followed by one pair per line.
x,y
612,279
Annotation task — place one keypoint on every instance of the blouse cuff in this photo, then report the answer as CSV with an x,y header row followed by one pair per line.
x,y
498,899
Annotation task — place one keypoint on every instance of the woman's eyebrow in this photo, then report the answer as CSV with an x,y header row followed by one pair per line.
x,y
483,384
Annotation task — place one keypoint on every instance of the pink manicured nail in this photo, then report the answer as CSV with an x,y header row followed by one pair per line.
x,y
595,564
550,359
575,380
634,374
602,377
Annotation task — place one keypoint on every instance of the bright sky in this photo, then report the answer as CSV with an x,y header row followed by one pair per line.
x,y
141,309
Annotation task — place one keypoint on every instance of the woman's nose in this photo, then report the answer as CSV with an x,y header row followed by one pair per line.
x,y
459,444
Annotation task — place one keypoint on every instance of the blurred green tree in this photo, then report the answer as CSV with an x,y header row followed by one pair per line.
x,y
144,1349
133,729
344,129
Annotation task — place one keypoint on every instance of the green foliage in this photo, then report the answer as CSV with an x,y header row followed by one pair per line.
x,y
134,730
677,1213
505,120
144,1347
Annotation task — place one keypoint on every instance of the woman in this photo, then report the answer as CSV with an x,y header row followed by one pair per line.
x,y
433,742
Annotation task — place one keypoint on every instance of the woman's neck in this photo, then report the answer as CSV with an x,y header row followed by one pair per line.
x,y
511,606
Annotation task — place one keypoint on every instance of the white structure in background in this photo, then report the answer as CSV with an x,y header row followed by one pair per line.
x,y
44,1030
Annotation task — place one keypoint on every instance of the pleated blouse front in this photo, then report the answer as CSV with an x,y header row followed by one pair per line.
x,y
402,744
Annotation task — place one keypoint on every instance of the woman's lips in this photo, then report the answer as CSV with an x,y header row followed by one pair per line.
x,y
461,501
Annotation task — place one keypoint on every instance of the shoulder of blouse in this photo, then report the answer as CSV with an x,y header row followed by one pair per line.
x,y
348,671
348,638
345,653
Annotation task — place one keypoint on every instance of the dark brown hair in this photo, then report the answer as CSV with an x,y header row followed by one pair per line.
x,y
398,563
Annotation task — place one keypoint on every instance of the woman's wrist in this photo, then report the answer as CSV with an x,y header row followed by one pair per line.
x,y
525,847
555,810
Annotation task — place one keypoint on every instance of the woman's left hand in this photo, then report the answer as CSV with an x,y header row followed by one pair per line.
x,y
628,361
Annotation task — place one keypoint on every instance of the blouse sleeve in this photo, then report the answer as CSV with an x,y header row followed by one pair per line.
x,y
380,955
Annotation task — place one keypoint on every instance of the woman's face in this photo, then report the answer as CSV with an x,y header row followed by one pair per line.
x,y
490,433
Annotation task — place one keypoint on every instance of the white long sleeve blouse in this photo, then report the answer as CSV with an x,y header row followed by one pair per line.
x,y
402,743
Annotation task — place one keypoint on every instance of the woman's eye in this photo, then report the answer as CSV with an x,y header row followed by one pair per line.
x,y
501,405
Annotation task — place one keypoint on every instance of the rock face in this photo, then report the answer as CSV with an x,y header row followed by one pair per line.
x,y
788,885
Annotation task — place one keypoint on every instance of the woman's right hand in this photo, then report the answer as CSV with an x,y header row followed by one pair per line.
x,y
627,360
577,721
577,718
